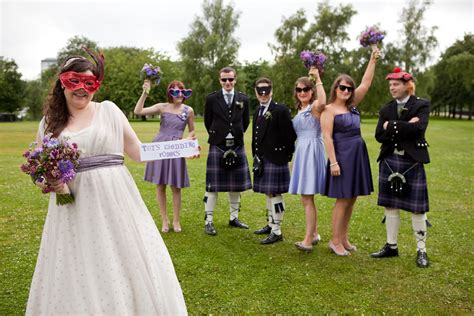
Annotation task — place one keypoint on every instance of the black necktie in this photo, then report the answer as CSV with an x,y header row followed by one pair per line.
x,y
260,111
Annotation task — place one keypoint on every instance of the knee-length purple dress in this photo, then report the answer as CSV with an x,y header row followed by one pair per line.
x,y
353,159
170,171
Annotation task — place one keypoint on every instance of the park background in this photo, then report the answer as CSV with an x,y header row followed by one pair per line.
x,y
231,272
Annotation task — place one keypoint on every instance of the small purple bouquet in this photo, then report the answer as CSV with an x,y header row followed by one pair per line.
x,y
371,36
55,161
151,73
311,59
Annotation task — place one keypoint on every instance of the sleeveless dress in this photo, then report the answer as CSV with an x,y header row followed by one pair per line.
x,y
308,175
353,159
169,171
102,254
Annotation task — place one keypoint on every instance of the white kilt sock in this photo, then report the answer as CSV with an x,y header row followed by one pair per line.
x,y
234,202
210,201
418,222
277,213
392,224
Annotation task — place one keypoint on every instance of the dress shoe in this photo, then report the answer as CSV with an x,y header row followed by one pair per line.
x,y
236,223
272,238
333,248
422,259
385,252
264,230
316,240
299,245
209,229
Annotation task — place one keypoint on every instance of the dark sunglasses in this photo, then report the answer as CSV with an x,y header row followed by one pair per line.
x,y
261,91
343,88
175,93
305,89
227,79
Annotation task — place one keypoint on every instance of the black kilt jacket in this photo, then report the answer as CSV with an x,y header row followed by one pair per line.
x,y
220,119
273,135
403,135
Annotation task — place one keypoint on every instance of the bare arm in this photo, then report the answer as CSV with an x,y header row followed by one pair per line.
x,y
131,141
327,125
318,104
139,107
364,86
192,134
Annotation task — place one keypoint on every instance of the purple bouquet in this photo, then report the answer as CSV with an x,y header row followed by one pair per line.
x,y
371,36
151,73
313,59
55,161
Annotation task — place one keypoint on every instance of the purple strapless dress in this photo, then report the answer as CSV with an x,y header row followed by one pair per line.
x,y
353,159
169,171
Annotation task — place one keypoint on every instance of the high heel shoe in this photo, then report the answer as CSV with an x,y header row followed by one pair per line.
x,y
351,248
165,229
299,245
332,247
316,240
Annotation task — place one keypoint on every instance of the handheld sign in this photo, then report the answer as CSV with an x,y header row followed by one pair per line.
x,y
169,150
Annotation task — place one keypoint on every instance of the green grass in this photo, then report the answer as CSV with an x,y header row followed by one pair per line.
x,y
232,273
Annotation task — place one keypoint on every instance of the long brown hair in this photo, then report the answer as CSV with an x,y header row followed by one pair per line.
x,y
55,108
335,85
307,83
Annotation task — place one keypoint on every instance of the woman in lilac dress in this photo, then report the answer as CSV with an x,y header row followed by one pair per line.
x,y
309,163
348,168
175,115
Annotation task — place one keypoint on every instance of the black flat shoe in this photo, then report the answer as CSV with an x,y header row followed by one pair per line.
x,y
264,230
385,252
209,229
272,238
236,223
422,259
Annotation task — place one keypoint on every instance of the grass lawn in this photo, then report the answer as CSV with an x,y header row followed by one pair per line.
x,y
232,273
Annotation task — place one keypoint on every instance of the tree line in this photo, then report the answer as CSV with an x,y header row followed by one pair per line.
x,y
211,45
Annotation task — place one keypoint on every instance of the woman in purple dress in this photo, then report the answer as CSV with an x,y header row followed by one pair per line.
x,y
348,168
175,115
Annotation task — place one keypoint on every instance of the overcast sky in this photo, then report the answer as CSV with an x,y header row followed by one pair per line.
x,y
34,30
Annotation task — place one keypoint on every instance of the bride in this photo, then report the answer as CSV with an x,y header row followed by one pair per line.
x,y
101,254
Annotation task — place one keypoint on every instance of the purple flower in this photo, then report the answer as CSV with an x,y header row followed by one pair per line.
x,y
313,59
65,166
372,35
151,72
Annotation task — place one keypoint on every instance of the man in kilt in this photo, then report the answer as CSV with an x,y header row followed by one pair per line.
x,y
273,144
226,117
404,151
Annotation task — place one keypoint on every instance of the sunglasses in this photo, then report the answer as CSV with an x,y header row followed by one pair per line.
x,y
176,93
227,79
343,88
305,89
261,91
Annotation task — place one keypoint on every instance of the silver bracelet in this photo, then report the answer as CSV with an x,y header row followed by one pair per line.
x,y
333,164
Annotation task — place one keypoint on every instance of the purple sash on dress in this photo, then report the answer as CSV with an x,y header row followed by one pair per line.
x,y
99,161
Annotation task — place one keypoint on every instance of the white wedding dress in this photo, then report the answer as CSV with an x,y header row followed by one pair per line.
x,y
102,254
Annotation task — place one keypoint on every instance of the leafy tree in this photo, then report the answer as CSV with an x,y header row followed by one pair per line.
x,y
35,95
327,32
74,47
454,83
122,82
417,41
209,46
11,86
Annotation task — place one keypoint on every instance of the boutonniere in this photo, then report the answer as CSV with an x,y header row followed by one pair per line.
x,y
404,109
268,115
240,104
355,111
183,116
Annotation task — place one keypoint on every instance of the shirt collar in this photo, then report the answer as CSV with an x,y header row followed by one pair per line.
x,y
224,92
266,104
404,100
